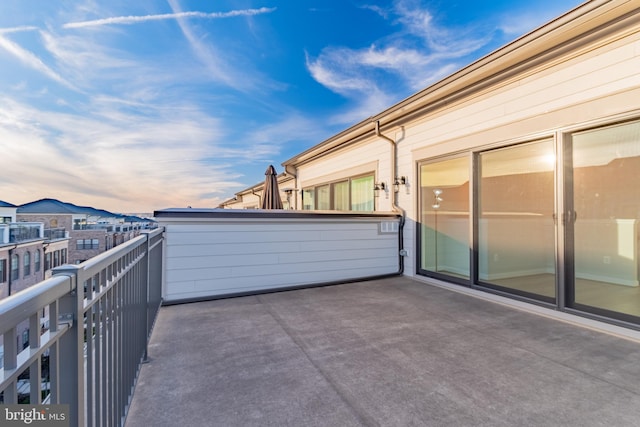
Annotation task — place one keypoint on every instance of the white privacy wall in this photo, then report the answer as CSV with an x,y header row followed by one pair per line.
x,y
216,253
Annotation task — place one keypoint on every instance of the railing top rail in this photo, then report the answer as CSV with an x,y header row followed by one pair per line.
x,y
21,305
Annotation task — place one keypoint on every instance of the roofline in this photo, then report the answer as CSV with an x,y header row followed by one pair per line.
x,y
260,184
201,213
581,20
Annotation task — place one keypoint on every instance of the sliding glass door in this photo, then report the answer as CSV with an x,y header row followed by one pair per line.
x,y
516,228
555,220
444,231
602,215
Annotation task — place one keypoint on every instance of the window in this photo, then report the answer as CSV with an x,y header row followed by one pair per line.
x,y
3,270
362,194
25,339
56,259
36,260
308,202
341,196
5,219
323,197
26,260
47,261
87,244
15,267
355,194
63,256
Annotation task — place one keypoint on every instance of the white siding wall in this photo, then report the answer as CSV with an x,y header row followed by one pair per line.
x,y
581,87
218,256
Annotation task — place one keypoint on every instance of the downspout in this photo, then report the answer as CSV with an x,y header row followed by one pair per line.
x,y
295,184
253,191
9,270
394,199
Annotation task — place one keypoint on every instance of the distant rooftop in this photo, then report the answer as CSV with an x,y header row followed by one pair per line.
x,y
4,204
56,206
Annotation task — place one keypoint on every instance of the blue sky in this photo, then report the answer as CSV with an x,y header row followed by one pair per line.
x,y
134,106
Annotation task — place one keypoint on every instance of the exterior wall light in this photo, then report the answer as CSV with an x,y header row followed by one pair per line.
x,y
288,192
398,181
377,187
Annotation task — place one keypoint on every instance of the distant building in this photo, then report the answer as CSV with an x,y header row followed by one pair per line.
x,y
91,231
28,252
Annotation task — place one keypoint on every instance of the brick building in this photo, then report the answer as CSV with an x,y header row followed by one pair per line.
x,y
28,252
91,231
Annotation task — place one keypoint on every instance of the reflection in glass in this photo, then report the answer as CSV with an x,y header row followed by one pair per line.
x,y
362,193
606,199
341,196
444,191
323,196
516,231
308,199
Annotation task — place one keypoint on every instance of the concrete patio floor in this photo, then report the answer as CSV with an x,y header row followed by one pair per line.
x,y
392,352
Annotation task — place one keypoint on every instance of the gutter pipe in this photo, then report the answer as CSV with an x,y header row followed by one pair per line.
x,y
294,174
253,191
394,199
9,269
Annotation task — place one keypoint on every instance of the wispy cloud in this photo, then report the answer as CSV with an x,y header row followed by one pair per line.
x,y
20,29
114,159
417,53
137,132
220,66
32,61
128,20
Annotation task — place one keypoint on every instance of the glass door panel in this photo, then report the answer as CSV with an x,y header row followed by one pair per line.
x,y
444,210
604,220
516,228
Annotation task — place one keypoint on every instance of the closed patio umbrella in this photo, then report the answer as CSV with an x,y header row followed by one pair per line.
x,y
271,195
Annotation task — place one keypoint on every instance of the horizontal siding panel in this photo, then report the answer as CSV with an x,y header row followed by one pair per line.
x,y
195,261
260,260
335,255
569,83
215,249
260,271
271,236
242,237
292,225
213,259
364,265
211,287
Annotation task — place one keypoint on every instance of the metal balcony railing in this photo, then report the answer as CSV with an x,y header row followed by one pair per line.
x,y
20,232
55,233
101,313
